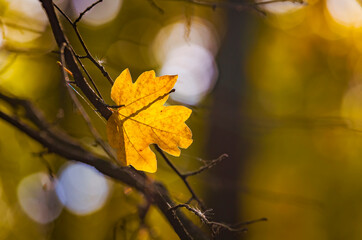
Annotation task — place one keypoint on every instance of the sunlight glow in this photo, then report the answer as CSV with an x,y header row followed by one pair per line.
x,y
84,190
346,12
38,199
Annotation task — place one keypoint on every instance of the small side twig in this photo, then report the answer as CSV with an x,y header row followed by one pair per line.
x,y
87,55
185,176
216,227
85,11
46,163
154,5
207,166
88,76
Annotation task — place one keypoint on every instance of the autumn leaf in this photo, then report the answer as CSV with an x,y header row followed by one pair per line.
x,y
143,120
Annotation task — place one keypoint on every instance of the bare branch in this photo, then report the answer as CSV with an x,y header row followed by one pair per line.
x,y
216,227
71,62
186,175
183,178
207,166
84,46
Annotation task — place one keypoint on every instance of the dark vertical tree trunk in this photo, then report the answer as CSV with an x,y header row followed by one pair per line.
x,y
226,122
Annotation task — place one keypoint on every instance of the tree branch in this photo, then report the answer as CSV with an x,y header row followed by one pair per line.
x,y
65,146
79,36
82,111
68,148
155,192
71,62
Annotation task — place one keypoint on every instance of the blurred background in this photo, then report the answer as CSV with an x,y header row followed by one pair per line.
x,y
279,90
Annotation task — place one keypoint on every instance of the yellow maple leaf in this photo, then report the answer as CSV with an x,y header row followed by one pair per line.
x,y
143,120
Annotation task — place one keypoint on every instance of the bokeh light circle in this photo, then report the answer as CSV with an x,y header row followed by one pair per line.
x,y
188,51
194,79
346,12
24,20
83,190
38,198
173,35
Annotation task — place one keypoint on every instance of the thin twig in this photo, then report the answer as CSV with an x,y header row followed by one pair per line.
x,y
63,13
238,225
184,176
154,5
46,163
85,11
217,226
84,114
87,55
88,76
85,48
71,62
208,165
85,71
